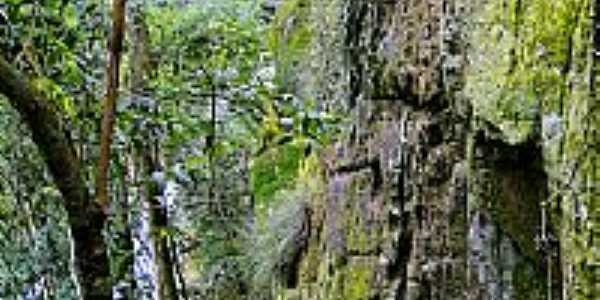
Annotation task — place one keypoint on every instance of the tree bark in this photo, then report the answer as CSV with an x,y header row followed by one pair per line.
x,y
115,46
86,218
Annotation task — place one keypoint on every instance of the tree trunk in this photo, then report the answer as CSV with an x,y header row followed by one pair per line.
x,y
86,218
115,46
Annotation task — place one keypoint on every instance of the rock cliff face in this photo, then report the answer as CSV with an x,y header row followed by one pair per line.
x,y
422,198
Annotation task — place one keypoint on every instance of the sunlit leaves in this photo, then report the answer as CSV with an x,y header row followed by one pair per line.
x,y
55,93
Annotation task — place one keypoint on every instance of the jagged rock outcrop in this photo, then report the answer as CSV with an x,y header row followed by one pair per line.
x,y
419,203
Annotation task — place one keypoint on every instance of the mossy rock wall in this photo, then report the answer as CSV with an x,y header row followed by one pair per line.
x,y
434,191
391,223
532,76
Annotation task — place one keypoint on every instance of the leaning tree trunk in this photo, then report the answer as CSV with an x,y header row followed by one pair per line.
x,y
86,218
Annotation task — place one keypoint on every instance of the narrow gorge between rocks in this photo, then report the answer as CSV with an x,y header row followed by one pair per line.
x,y
300,149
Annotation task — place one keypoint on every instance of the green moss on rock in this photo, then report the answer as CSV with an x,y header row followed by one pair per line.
x,y
357,280
290,37
275,170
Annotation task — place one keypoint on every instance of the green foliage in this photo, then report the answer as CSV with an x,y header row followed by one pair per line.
x,y
289,28
50,42
529,284
275,170
290,39
199,55
358,280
